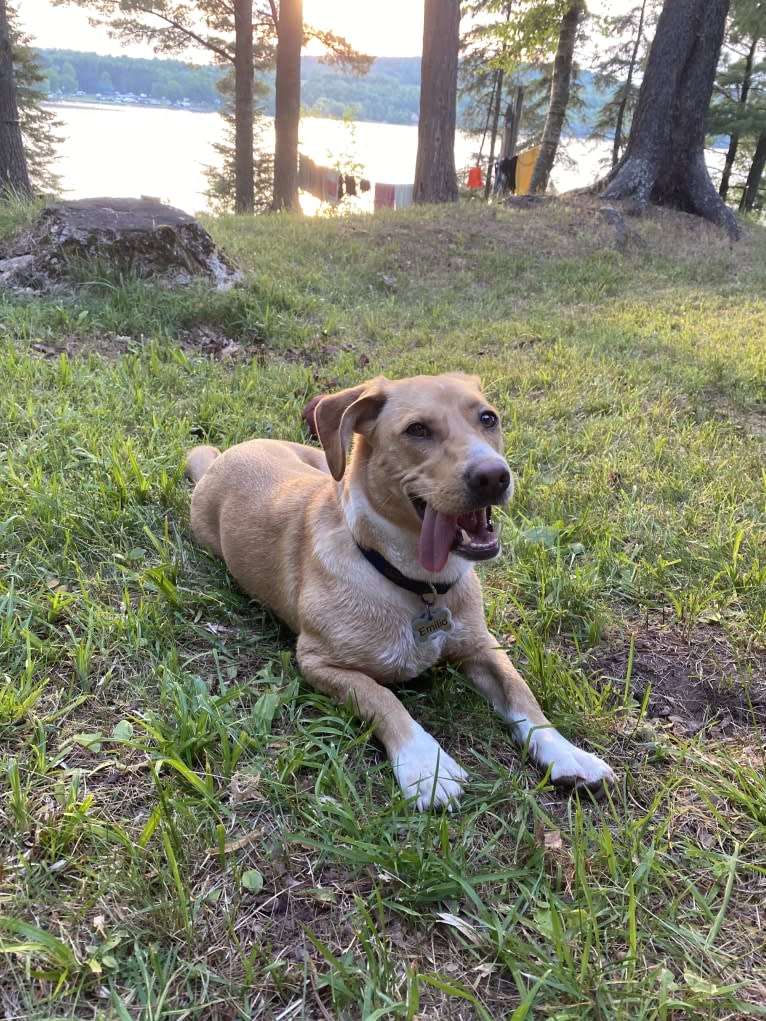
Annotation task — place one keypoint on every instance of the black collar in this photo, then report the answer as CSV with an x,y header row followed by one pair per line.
x,y
420,588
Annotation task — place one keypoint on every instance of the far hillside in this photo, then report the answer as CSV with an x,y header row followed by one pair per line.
x,y
390,93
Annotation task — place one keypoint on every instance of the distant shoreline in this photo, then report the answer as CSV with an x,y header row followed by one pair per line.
x,y
84,103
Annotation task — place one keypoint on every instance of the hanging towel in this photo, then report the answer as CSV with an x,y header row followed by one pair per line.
x,y
316,186
385,195
330,184
364,185
475,180
402,195
305,169
302,172
349,182
524,167
505,175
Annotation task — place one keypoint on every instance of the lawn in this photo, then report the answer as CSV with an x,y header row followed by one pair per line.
x,y
190,832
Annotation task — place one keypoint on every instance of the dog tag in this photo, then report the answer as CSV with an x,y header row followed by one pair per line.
x,y
429,624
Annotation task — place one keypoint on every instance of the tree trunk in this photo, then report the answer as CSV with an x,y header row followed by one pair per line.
x,y
754,177
665,158
435,174
244,186
557,106
497,99
728,164
288,105
14,178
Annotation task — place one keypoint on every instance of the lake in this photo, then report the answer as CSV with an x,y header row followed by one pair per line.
x,y
137,150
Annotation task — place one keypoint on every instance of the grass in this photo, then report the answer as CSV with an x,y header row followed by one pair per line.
x,y
189,831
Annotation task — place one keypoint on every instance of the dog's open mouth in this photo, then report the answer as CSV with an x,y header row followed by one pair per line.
x,y
471,536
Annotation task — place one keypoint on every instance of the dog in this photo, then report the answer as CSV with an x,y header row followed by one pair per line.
x,y
369,560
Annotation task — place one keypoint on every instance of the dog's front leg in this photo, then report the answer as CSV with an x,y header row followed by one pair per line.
x,y
494,676
424,771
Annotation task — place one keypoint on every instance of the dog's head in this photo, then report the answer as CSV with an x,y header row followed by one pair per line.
x,y
428,457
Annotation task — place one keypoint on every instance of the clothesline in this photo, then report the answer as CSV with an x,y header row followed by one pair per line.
x,y
512,173
329,185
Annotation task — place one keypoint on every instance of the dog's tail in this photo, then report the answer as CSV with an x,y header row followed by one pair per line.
x,y
198,460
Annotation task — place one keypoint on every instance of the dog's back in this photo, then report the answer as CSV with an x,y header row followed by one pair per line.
x,y
253,504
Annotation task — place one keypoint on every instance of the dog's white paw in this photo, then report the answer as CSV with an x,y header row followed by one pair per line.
x,y
570,766
427,774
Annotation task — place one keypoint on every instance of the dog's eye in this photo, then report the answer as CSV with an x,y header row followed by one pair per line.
x,y
488,419
419,430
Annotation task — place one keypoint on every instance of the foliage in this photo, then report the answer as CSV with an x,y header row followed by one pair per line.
x,y
188,829
739,103
624,41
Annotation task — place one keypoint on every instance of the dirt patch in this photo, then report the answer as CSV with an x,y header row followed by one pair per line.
x,y
202,339
693,678
212,342
109,345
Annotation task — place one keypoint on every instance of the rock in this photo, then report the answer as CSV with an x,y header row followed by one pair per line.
x,y
13,267
615,218
122,235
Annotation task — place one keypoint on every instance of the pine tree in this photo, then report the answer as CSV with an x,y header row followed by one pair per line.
x,y
39,125
287,106
221,189
14,177
624,51
489,75
739,106
222,29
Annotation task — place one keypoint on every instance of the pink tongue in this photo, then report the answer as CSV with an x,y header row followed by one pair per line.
x,y
437,534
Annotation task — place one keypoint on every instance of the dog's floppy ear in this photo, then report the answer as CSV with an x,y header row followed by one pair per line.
x,y
338,416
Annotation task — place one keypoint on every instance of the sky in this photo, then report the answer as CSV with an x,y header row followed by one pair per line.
x,y
395,30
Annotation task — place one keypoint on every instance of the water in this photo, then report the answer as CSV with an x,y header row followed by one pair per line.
x,y
136,150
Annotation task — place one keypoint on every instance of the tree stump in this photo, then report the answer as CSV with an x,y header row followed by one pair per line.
x,y
142,237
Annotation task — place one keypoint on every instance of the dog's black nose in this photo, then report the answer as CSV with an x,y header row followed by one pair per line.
x,y
488,480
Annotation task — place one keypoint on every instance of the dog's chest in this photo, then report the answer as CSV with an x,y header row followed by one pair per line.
x,y
396,653
372,625
406,658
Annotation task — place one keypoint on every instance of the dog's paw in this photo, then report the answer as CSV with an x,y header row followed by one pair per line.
x,y
427,774
570,766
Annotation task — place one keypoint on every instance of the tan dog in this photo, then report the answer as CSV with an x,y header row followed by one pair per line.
x,y
370,564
